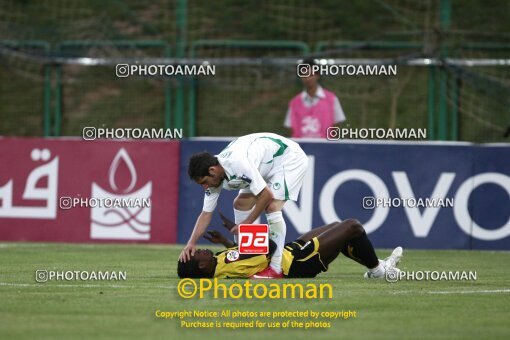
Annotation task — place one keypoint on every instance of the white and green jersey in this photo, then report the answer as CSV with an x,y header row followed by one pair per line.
x,y
253,162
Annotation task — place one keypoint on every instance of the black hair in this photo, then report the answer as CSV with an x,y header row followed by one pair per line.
x,y
311,62
190,269
200,163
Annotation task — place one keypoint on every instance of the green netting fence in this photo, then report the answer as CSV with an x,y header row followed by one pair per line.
x,y
43,95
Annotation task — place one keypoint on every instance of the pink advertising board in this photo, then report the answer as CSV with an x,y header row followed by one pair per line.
x,y
71,190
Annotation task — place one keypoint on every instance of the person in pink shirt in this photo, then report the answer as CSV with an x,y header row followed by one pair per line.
x,y
314,110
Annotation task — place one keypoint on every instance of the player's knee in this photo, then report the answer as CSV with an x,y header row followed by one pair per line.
x,y
271,208
274,206
354,226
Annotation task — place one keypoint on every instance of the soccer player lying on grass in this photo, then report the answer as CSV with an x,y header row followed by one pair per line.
x,y
306,257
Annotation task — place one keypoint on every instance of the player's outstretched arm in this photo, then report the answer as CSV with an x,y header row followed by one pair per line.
x,y
200,227
227,223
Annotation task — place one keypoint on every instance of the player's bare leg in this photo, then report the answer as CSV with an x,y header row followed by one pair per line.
x,y
243,205
336,237
350,238
277,233
316,232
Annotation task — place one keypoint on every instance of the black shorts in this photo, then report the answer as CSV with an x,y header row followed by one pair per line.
x,y
306,260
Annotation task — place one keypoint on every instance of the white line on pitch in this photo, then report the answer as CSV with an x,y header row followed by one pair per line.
x,y
471,291
493,291
80,285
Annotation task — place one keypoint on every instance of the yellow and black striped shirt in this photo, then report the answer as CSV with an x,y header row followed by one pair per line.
x,y
303,257
231,264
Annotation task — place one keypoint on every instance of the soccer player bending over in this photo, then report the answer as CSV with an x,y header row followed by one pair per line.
x,y
267,169
306,257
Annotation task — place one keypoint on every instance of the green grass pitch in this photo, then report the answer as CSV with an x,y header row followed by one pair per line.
x,y
126,309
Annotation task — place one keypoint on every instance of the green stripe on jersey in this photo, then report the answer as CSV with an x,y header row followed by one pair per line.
x,y
286,190
282,145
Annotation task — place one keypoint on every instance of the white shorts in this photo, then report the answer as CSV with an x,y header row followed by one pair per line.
x,y
286,176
